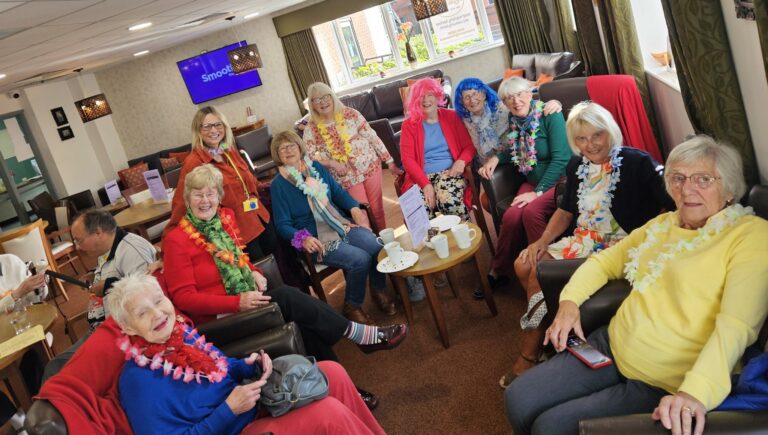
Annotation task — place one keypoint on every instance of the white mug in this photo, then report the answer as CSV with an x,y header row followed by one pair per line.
x,y
387,235
440,245
394,252
461,233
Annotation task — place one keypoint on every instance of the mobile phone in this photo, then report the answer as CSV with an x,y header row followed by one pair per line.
x,y
586,353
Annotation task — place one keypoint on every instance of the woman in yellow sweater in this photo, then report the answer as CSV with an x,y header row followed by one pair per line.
x,y
699,299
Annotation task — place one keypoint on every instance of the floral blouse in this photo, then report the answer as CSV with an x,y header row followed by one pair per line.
x,y
367,151
486,129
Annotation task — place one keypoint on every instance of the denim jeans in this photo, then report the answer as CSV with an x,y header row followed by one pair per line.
x,y
357,256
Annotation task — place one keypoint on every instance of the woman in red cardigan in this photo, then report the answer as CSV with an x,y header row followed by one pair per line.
x,y
435,147
208,275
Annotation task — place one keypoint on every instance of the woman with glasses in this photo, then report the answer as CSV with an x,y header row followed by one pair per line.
x,y
698,300
536,145
609,191
341,140
214,143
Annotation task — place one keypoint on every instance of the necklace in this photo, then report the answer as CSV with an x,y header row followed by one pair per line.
x,y
238,257
714,226
593,217
336,142
521,139
177,358
314,186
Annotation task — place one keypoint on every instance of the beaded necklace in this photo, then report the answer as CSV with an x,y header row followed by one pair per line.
x,y
593,217
336,142
521,139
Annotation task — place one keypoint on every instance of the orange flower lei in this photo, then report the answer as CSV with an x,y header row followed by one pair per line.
x,y
335,143
222,254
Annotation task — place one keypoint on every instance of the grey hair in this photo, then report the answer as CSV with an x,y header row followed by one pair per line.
x,y
94,220
201,177
123,290
514,85
318,89
726,159
589,113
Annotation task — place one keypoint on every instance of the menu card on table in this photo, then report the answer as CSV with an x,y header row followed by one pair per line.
x,y
416,217
113,191
156,186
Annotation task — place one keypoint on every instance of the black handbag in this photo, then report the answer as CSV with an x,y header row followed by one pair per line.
x,y
295,381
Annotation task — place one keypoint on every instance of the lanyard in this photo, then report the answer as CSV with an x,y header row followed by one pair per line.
x,y
245,189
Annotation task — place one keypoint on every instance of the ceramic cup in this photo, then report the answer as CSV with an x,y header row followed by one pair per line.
x,y
463,235
387,235
440,245
394,252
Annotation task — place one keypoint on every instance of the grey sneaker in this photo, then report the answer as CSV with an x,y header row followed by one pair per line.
x,y
416,291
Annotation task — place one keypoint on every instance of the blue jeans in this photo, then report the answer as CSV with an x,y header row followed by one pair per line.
x,y
357,256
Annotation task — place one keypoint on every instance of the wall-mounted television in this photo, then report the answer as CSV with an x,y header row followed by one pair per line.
x,y
209,75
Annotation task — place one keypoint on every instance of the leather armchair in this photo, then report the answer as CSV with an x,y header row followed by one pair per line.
x,y
501,190
558,65
254,146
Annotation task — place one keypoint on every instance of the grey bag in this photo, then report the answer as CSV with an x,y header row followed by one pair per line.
x,y
295,381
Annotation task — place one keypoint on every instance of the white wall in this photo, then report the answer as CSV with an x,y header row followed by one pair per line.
x,y
8,104
651,29
745,47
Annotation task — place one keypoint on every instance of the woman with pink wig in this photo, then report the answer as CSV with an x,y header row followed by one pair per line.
x,y
435,147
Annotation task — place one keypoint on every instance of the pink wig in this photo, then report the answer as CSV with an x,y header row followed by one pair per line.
x,y
423,87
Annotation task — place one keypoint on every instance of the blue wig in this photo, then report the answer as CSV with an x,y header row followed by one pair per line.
x,y
471,83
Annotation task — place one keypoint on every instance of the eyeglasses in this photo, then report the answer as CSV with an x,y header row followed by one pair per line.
x,y
79,240
518,96
217,125
324,99
475,96
701,181
199,196
584,140
285,147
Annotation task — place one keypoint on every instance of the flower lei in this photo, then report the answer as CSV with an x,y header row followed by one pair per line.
x,y
299,237
716,224
521,140
316,189
598,215
338,145
177,358
220,253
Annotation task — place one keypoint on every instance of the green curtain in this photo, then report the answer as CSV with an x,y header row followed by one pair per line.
x,y
305,66
707,75
590,45
565,24
523,26
761,16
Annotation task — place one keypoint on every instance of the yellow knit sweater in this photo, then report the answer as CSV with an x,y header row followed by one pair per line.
x,y
687,331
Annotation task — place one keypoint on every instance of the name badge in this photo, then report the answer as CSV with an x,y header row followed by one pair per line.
x,y
250,204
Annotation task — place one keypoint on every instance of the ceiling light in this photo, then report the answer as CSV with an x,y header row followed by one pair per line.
x,y
250,15
140,26
2,76
141,53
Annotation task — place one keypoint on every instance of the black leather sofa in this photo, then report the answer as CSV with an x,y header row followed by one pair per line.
x,y
558,65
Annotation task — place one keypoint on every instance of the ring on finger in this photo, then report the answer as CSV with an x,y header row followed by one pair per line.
x,y
688,409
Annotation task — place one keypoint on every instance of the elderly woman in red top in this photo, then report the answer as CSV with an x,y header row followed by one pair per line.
x,y
214,143
435,148
341,140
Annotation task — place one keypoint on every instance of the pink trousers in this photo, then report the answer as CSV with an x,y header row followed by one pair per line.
x,y
369,191
342,412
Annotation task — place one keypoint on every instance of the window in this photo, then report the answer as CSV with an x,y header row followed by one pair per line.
x,y
373,43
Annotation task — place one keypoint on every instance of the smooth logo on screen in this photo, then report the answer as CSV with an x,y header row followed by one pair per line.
x,y
226,71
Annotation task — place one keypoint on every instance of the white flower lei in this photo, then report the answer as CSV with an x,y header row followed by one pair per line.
x,y
321,191
605,202
714,226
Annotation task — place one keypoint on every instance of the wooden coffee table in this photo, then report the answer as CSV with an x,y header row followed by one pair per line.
x,y
428,265
143,215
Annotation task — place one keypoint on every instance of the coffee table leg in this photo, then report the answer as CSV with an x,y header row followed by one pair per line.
x,y
453,282
437,311
402,287
486,288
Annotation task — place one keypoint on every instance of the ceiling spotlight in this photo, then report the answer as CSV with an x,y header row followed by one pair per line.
x,y
140,26
141,53
2,76
251,15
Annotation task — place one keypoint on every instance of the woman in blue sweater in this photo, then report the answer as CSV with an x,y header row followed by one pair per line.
x,y
175,382
313,212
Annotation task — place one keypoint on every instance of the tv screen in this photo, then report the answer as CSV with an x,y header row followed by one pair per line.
x,y
210,75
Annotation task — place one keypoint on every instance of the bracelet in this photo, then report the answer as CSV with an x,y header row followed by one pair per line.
x,y
299,237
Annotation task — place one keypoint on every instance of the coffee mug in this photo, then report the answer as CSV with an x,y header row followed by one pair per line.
x,y
394,252
440,245
461,233
387,235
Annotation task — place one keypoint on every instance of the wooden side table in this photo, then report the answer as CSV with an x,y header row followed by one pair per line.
x,y
143,215
428,265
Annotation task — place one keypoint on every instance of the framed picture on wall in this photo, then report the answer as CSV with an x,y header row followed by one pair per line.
x,y
59,116
65,133
745,9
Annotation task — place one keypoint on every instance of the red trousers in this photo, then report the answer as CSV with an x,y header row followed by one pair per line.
x,y
341,413
369,191
521,227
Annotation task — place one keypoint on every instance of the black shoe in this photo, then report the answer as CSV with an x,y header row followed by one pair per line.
x,y
390,337
479,294
496,282
370,399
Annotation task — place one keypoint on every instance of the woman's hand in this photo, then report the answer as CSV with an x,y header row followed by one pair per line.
x,y
568,318
30,284
430,196
264,359
157,265
312,245
552,106
533,253
359,217
677,411
457,169
261,282
244,397
524,199
396,172
253,299
486,171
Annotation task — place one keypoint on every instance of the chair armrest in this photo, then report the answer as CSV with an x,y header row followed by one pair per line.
x,y
281,340
576,70
723,422
269,268
505,182
248,160
44,419
241,325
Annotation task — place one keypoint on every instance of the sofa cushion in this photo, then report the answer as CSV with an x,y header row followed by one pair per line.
x,y
168,164
552,63
133,176
386,97
526,62
510,72
180,156
363,103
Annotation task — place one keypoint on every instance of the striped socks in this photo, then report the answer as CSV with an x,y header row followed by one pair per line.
x,y
362,334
